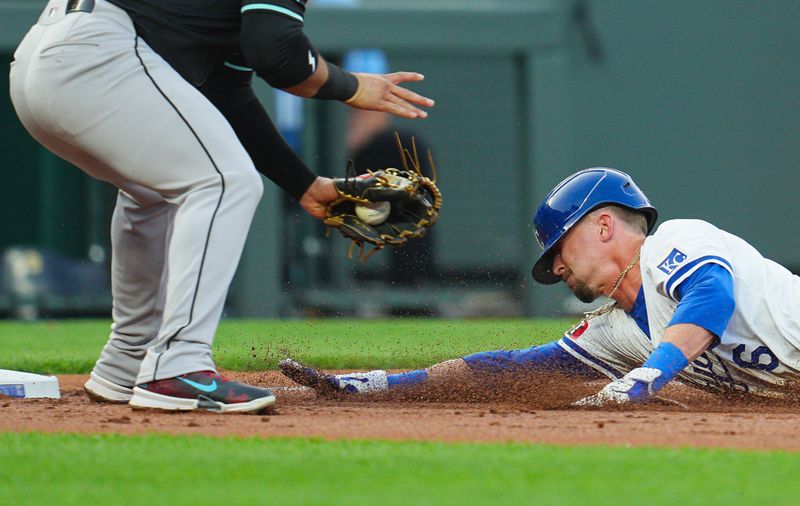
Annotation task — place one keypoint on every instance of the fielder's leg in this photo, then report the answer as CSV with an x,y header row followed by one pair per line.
x,y
138,230
88,81
138,277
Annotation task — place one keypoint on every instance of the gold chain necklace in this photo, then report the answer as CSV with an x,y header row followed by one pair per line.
x,y
610,303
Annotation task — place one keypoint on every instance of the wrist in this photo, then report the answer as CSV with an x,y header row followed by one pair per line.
x,y
668,359
666,362
340,85
357,94
322,189
301,185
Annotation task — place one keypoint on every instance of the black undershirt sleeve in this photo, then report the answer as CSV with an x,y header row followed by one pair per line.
x,y
277,49
231,92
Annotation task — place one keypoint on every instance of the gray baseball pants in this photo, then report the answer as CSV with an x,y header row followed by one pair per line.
x,y
86,87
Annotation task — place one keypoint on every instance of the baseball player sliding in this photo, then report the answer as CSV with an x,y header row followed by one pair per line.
x,y
155,97
690,301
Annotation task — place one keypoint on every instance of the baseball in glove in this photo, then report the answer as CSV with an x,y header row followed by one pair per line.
x,y
385,207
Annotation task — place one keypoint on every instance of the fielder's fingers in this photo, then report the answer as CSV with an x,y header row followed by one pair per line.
x,y
400,111
412,97
399,102
404,77
397,110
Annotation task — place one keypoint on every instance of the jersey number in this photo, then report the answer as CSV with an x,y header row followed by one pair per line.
x,y
761,358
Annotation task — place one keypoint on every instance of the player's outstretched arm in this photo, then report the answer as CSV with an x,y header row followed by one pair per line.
x,y
274,44
372,92
371,381
545,359
230,90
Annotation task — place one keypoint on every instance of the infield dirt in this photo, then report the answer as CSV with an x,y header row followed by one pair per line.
x,y
518,410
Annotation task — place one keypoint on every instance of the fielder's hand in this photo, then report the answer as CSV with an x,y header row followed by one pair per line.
x,y
414,202
316,199
636,386
380,92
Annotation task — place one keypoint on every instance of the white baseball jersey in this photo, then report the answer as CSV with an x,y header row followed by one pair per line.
x,y
758,352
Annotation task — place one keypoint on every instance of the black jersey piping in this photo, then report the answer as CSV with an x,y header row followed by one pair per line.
x,y
213,215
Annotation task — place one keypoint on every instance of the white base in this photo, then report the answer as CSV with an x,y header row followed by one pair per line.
x,y
28,385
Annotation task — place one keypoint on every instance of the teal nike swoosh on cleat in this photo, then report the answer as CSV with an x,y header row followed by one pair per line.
x,y
203,388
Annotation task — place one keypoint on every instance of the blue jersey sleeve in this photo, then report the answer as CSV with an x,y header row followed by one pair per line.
x,y
548,357
706,299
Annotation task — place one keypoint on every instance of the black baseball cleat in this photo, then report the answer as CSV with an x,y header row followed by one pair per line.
x,y
308,376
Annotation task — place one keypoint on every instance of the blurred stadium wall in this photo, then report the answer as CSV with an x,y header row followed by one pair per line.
x,y
697,99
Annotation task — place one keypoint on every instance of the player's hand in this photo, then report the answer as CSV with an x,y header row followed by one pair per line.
x,y
612,394
319,194
636,386
380,92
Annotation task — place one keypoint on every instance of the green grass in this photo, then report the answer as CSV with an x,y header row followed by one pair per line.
x,y
73,346
159,469
156,469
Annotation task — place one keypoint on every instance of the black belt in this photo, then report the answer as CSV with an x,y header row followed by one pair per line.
x,y
80,6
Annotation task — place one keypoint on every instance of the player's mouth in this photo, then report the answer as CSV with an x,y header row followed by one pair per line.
x,y
572,284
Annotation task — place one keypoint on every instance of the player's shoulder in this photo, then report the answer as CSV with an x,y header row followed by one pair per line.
x,y
683,234
671,229
678,245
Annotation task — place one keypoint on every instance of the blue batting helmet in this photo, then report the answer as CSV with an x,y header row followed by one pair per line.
x,y
574,198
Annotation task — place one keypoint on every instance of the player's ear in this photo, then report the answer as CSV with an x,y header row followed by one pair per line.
x,y
605,226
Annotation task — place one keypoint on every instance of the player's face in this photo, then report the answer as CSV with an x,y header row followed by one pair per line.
x,y
577,262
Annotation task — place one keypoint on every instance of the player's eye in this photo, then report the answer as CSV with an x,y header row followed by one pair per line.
x,y
556,249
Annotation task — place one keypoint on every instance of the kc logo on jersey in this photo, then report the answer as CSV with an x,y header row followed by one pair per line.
x,y
673,260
